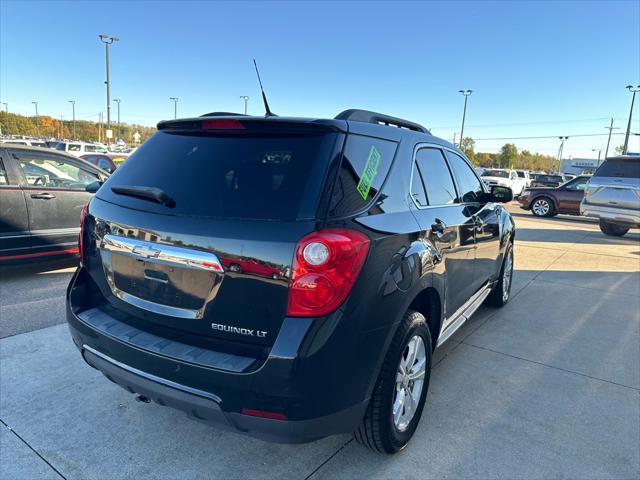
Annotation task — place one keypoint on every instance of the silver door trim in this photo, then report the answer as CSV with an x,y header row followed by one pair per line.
x,y
452,324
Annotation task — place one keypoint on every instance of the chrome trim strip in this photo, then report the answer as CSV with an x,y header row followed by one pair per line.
x,y
151,377
452,324
158,253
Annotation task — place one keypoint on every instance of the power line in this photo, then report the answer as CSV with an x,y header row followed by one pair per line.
x,y
546,136
538,122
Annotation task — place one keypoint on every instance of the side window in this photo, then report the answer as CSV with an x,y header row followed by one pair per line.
x,y
89,148
4,179
52,172
577,184
435,176
74,147
60,147
365,164
470,188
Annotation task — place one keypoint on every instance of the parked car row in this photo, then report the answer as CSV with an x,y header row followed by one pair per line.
x,y
612,195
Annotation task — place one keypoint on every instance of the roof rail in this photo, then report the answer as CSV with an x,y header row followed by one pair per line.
x,y
223,114
380,119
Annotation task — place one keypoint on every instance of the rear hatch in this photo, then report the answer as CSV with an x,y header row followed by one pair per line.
x,y
196,231
616,184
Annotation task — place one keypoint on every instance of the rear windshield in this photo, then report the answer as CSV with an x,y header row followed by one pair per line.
x,y
619,167
550,178
496,173
267,176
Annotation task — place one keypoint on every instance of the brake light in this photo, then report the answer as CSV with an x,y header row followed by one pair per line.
x,y
263,414
83,216
223,124
326,264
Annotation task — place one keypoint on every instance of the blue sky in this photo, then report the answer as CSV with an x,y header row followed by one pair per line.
x,y
536,68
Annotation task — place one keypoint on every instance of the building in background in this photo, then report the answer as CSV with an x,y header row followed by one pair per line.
x,y
576,166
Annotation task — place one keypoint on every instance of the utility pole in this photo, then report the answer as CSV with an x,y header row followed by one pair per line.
x,y
610,127
246,99
117,100
100,127
175,106
73,110
465,93
37,123
599,150
107,40
560,150
633,90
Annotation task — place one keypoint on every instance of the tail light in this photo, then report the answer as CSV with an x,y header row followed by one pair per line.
x,y
325,267
83,216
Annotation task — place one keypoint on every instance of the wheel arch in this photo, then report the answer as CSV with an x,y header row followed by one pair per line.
x,y
428,303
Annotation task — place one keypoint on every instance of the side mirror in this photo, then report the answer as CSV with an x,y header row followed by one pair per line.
x,y
501,194
93,186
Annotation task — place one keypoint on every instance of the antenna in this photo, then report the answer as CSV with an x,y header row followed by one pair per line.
x,y
268,113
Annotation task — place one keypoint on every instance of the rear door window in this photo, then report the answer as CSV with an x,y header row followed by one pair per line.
x,y
619,167
469,186
435,176
365,164
253,175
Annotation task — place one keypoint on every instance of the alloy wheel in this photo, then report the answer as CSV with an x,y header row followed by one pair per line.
x,y
541,207
409,382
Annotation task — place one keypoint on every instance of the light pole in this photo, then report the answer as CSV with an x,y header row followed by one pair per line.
x,y
117,100
560,150
246,99
599,150
37,124
175,106
73,110
6,107
610,128
633,90
465,93
107,40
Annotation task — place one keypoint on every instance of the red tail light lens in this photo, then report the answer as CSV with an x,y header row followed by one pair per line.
x,y
83,216
325,267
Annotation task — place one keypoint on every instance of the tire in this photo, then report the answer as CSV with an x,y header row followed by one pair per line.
x,y
501,292
234,267
381,430
612,229
543,207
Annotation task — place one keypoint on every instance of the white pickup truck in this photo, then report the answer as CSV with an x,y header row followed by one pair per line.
x,y
506,178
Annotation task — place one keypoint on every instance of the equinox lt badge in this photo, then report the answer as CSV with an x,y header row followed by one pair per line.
x,y
242,331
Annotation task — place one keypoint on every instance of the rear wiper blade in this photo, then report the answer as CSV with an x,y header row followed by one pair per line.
x,y
146,193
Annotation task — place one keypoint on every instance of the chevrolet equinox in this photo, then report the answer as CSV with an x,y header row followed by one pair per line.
x,y
288,278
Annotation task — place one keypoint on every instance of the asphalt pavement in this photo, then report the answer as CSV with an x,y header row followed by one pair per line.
x,y
546,387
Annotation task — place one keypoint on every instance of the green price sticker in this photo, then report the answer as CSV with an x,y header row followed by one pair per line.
x,y
369,172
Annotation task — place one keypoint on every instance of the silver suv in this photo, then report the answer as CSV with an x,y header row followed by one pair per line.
x,y
613,195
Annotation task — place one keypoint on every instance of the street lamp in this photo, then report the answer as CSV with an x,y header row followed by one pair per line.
x,y
560,150
599,150
37,124
175,106
73,109
465,93
117,100
246,99
633,90
107,40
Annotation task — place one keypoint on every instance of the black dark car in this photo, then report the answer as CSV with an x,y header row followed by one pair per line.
x,y
384,238
42,194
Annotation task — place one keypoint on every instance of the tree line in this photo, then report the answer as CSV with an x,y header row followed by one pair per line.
x,y
509,157
86,130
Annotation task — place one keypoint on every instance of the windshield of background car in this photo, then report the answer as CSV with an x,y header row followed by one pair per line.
x,y
550,178
496,173
619,167
254,175
520,174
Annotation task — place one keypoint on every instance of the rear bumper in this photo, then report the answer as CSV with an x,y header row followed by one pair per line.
x,y
318,389
615,215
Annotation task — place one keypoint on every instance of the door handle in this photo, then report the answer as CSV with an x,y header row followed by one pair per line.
x,y
438,226
43,195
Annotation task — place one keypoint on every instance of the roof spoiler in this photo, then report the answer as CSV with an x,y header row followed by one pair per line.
x,y
380,119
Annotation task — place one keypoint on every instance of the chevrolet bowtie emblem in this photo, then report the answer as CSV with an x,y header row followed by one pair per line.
x,y
146,251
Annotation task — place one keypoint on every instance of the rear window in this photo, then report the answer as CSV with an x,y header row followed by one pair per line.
x,y
550,178
619,167
496,173
256,175
365,164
